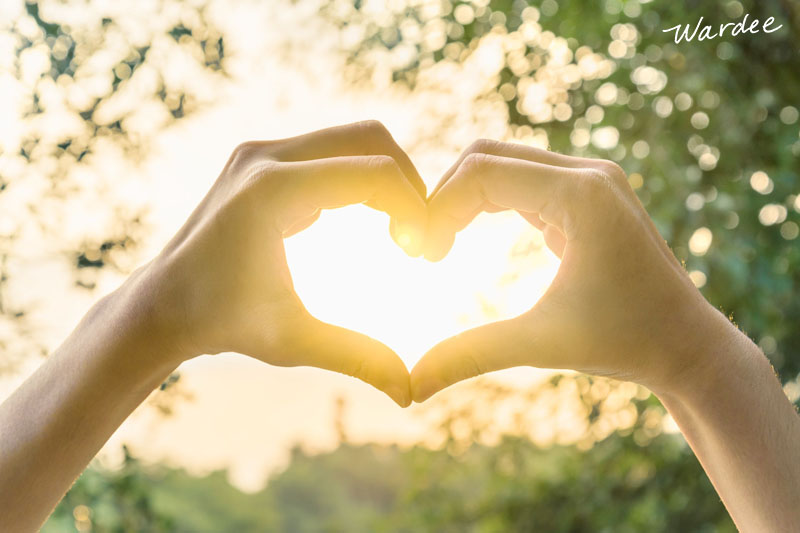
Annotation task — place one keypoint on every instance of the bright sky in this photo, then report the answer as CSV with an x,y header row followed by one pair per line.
x,y
245,415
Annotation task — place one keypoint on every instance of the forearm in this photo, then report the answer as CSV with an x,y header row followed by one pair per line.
x,y
744,431
62,415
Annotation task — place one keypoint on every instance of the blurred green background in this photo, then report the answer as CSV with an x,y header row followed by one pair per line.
x,y
707,132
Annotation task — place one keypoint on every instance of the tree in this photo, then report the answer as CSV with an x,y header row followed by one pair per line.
x,y
85,86
635,479
707,130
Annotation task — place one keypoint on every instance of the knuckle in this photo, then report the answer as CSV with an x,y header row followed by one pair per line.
x,y
247,153
612,170
373,127
380,162
483,146
475,162
269,168
247,164
598,190
372,136
383,166
264,175
595,183
382,171
245,149
372,133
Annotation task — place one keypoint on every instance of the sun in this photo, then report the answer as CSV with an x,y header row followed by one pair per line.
x,y
348,271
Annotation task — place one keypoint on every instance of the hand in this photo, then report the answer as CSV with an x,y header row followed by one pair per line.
x,y
222,283
620,305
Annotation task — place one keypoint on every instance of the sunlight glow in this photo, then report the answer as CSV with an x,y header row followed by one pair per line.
x,y
497,269
404,239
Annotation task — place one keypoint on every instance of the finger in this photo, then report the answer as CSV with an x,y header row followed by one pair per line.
x,y
340,181
509,183
555,240
315,343
524,152
495,346
361,138
300,225
534,219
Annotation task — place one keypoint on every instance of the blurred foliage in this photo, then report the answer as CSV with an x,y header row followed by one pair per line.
x,y
623,483
87,82
121,500
707,131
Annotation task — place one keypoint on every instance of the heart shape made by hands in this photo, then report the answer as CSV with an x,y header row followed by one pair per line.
x,y
348,272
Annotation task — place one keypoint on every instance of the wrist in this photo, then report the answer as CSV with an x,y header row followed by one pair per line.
x,y
715,356
145,320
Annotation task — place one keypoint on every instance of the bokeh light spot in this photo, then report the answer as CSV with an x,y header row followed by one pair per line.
x,y
761,183
700,241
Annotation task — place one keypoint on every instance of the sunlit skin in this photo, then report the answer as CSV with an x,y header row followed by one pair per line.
x,y
229,285
620,306
221,284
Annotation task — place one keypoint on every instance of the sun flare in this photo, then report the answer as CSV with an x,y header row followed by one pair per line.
x,y
497,268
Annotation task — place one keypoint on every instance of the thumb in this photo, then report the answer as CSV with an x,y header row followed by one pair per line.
x,y
495,346
316,343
